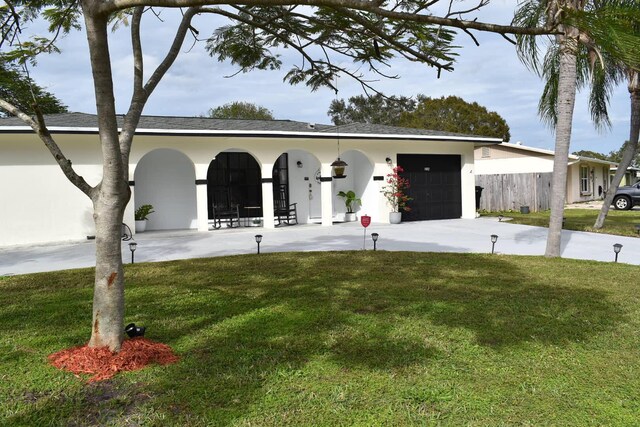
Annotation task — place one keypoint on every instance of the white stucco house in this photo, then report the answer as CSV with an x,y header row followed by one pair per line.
x,y
528,170
181,165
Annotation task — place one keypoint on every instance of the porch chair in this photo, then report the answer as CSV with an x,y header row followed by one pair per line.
x,y
225,210
283,210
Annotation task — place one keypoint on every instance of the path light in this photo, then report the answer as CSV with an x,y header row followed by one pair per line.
x,y
494,239
132,248
374,237
258,240
617,248
500,218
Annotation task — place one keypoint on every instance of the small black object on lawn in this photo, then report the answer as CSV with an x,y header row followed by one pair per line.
x,y
374,237
494,239
617,248
258,240
132,248
134,331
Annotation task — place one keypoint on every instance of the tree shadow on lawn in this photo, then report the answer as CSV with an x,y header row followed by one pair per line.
x,y
238,321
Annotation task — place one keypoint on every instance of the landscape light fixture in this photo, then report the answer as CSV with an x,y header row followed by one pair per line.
x,y
374,237
494,239
500,218
258,240
132,248
617,248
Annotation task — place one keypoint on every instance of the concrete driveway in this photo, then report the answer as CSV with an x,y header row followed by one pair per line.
x,y
458,235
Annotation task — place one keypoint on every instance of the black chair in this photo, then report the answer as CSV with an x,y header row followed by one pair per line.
x,y
225,211
284,212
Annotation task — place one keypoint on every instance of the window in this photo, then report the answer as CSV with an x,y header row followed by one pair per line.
x,y
584,179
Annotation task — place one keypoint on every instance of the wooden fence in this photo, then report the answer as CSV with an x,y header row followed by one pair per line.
x,y
510,191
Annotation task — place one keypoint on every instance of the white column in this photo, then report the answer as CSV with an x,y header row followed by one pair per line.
x,y
268,220
202,203
326,192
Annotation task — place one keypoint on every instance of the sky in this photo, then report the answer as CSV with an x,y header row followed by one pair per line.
x,y
490,74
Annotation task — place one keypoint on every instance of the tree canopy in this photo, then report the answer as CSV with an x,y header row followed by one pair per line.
x,y
241,110
454,114
446,114
376,109
20,90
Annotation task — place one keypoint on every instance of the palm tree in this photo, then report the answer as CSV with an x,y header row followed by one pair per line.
x,y
630,149
577,56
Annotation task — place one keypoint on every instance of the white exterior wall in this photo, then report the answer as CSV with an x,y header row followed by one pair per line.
x,y
598,174
40,205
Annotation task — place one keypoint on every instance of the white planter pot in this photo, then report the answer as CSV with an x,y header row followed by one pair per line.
x,y
141,226
395,217
350,217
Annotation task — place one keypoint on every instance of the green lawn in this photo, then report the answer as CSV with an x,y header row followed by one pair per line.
x,y
621,223
337,339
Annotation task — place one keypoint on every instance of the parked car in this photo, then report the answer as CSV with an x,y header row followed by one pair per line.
x,y
627,197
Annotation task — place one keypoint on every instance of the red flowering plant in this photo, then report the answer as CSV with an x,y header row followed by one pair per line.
x,y
394,191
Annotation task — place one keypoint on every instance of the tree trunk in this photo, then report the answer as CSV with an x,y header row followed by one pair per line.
x,y
566,101
111,198
629,151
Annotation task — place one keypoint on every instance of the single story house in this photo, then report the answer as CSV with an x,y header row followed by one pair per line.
x,y
182,165
631,175
514,175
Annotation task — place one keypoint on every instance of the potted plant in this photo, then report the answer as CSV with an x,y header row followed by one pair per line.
x,y
394,191
350,200
141,216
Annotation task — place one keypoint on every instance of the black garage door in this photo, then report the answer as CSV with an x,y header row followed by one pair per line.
x,y
434,186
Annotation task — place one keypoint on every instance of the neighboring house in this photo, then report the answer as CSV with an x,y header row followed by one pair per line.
x,y
630,177
513,175
181,165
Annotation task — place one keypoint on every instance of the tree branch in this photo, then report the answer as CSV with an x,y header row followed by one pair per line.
x,y
110,6
141,93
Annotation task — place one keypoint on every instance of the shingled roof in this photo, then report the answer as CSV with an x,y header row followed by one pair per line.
x,y
88,123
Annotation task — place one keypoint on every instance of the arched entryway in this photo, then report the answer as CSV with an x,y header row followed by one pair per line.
x,y
234,179
297,173
165,178
359,179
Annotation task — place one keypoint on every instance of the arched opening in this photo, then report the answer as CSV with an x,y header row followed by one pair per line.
x,y
234,180
165,179
358,179
297,174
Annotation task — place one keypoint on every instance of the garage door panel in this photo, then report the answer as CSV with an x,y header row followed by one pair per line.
x,y
435,186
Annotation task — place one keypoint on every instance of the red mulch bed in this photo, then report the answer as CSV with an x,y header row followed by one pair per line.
x,y
135,354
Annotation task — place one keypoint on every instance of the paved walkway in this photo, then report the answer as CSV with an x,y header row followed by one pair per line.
x,y
459,235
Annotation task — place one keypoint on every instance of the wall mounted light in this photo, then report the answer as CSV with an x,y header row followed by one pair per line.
x,y
258,240
132,248
617,248
374,237
388,160
494,239
299,163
